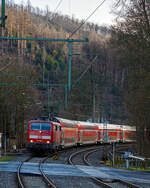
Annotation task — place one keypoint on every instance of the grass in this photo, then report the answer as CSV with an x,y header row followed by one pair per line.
x,y
6,158
118,163
138,169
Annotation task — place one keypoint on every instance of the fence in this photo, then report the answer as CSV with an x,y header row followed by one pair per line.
x,y
128,160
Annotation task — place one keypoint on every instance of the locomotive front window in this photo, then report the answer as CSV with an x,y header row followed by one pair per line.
x,y
35,126
45,126
40,126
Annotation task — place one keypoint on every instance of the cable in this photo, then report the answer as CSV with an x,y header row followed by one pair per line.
x,y
84,72
66,112
86,19
58,5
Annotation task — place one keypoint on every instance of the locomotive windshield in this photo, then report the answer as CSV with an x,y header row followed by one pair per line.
x,y
40,126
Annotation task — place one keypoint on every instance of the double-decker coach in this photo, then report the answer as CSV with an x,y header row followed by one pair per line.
x,y
69,132
111,133
87,133
128,133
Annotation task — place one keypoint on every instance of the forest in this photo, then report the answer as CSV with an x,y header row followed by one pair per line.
x,y
110,74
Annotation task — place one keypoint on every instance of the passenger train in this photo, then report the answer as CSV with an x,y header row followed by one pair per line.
x,y
50,135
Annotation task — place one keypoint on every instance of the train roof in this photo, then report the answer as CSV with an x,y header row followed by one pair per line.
x,y
35,120
127,127
75,122
66,120
111,126
85,123
114,126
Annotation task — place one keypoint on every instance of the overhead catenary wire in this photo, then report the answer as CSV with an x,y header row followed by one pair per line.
x,y
59,3
71,35
87,19
84,72
66,112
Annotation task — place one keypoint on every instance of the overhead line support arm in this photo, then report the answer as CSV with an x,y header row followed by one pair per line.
x,y
44,39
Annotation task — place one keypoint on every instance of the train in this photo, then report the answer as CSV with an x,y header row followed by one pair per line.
x,y
57,133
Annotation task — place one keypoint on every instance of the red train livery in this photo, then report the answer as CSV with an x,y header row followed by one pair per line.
x,y
49,135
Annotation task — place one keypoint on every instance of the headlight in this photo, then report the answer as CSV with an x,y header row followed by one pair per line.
x,y
31,141
47,142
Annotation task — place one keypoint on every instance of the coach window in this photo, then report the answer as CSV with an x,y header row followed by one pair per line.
x,y
56,128
60,128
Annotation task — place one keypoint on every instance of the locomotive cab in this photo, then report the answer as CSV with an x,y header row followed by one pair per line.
x,y
39,135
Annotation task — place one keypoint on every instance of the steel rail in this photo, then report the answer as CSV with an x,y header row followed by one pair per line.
x,y
95,180
18,175
86,156
128,184
19,170
48,181
116,180
76,153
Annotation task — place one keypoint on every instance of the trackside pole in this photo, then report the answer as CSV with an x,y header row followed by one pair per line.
x,y
69,68
3,17
0,144
113,149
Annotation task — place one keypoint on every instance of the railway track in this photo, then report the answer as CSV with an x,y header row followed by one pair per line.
x,y
70,159
48,181
20,183
107,183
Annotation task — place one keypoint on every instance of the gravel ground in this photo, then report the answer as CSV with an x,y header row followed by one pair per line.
x,y
33,181
8,180
73,182
96,158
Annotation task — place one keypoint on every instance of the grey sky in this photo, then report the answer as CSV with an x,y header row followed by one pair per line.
x,y
80,9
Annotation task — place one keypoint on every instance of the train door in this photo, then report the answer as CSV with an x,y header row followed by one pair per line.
x,y
101,136
80,133
118,137
105,131
121,133
55,136
96,136
58,136
76,141
62,137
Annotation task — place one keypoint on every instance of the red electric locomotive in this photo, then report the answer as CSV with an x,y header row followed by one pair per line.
x,y
43,135
46,135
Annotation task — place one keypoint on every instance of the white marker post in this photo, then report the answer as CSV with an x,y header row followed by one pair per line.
x,y
0,144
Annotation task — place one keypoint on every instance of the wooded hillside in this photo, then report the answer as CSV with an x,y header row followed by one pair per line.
x,y
110,73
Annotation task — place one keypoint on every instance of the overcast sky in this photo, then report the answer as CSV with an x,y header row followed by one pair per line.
x,y
80,9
